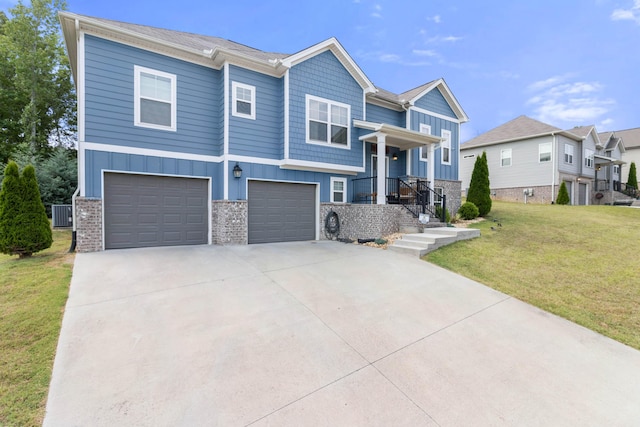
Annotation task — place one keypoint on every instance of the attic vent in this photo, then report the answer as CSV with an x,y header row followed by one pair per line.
x,y
62,215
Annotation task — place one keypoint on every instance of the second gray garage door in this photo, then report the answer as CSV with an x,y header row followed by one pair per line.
x,y
281,212
149,210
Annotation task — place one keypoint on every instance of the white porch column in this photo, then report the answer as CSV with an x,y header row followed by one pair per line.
x,y
431,168
381,182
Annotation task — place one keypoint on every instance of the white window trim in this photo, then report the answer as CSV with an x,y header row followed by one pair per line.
x,y
234,99
570,154
137,70
588,158
424,128
540,151
344,189
446,143
328,143
503,157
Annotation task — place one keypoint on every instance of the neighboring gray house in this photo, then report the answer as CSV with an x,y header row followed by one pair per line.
x,y
528,160
631,139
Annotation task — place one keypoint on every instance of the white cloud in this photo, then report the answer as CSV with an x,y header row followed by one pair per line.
x,y
576,103
389,57
436,18
425,52
443,39
377,9
631,14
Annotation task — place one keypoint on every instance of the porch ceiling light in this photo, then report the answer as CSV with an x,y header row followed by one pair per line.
x,y
237,171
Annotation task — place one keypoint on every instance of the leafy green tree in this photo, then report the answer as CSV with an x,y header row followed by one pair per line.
x,y
36,97
24,226
563,195
479,188
632,181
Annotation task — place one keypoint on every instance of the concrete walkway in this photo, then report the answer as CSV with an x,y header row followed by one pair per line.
x,y
320,333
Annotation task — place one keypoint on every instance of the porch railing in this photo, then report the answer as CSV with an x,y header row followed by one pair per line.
x,y
415,196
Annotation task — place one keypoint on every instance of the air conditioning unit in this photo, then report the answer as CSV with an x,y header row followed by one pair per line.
x,y
62,215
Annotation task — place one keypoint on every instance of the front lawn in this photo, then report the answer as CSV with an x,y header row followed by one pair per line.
x,y
579,262
33,292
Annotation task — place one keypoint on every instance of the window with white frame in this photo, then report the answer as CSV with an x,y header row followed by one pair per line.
x,y
544,152
424,151
338,190
154,99
588,158
505,157
616,169
445,147
568,153
244,100
328,122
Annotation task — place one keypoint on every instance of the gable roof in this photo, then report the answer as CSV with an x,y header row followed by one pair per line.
x,y
610,140
630,137
522,127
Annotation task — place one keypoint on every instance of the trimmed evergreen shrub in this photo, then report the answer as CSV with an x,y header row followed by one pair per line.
x,y
563,195
479,188
468,210
632,181
439,214
24,226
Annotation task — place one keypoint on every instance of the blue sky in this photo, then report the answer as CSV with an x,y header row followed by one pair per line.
x,y
566,63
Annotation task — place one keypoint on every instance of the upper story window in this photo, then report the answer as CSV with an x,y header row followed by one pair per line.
x,y
505,157
588,158
616,169
568,153
424,151
544,152
244,100
154,99
338,190
445,146
328,122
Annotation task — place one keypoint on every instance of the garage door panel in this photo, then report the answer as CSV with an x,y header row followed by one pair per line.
x,y
280,212
147,210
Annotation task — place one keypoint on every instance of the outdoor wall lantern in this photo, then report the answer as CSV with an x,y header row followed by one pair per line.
x,y
237,171
395,156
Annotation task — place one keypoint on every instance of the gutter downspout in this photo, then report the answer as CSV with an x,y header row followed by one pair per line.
x,y
553,168
73,215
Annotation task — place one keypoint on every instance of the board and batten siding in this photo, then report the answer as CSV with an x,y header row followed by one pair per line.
x,y
109,100
444,172
262,137
588,143
573,168
97,161
434,101
378,114
525,170
323,76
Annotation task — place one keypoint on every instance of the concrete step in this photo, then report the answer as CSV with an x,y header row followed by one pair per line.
x,y
420,244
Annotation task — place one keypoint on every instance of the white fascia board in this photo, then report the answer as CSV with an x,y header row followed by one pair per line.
x,y
320,167
448,95
384,103
433,114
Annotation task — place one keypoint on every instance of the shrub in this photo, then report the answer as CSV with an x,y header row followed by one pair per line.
x,y
563,195
632,181
439,214
24,227
468,211
479,188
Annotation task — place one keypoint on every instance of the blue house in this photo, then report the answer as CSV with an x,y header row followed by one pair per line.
x,y
192,139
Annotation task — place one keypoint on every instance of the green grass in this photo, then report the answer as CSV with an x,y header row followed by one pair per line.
x,y
33,292
579,262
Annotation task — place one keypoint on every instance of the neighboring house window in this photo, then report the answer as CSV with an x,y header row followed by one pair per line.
x,y
616,169
505,157
424,151
154,99
568,153
338,190
328,122
446,147
244,100
588,158
544,152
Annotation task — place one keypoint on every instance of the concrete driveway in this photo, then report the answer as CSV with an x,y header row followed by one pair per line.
x,y
320,333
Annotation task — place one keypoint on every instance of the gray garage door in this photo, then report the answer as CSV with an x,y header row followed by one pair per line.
x,y
148,210
281,212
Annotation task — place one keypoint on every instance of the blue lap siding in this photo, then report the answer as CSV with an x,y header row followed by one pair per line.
x,y
378,114
418,167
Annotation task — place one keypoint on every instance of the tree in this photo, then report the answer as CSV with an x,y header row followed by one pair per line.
x,y
24,226
563,195
37,96
632,181
479,188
